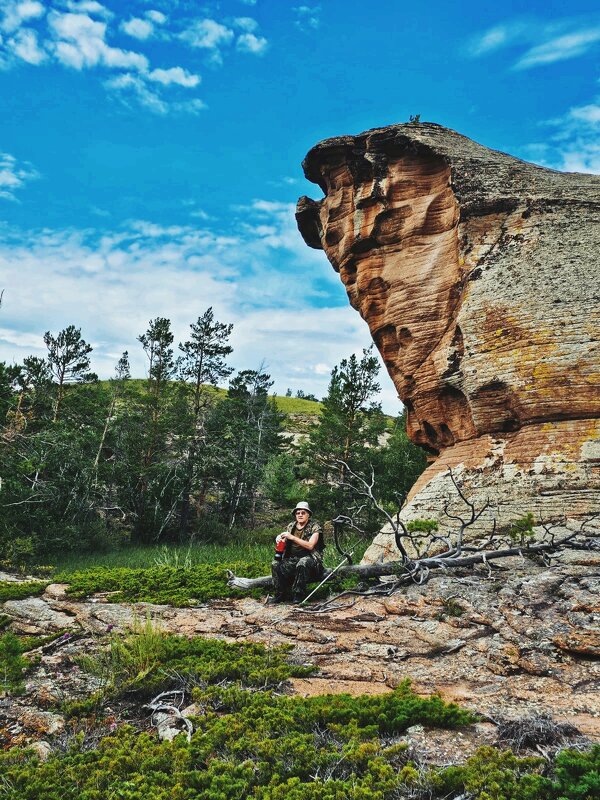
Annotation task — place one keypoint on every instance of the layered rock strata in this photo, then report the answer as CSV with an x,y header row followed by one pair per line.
x,y
477,274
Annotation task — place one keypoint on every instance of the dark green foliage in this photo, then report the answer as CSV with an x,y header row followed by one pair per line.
x,y
247,744
280,482
163,585
243,434
577,775
521,530
252,743
493,775
424,525
69,361
13,590
352,441
148,661
12,663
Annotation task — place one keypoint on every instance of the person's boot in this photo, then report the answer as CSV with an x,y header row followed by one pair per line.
x,y
276,599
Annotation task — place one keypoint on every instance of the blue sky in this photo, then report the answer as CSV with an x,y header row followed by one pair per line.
x,y
150,153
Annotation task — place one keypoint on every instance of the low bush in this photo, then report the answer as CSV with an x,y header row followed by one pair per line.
x,y
247,744
164,584
18,590
147,661
255,744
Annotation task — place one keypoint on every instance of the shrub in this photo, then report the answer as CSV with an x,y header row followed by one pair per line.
x,y
163,584
14,590
12,663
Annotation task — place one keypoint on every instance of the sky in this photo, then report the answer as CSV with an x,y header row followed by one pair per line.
x,y
150,154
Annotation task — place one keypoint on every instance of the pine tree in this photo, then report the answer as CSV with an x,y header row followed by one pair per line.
x,y
349,428
243,434
68,358
202,364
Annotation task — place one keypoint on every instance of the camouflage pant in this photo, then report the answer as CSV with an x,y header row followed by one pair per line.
x,y
291,576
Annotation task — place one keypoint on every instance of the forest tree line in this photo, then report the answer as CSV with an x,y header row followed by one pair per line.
x,y
88,464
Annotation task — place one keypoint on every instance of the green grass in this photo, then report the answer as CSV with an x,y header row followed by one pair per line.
x,y
174,555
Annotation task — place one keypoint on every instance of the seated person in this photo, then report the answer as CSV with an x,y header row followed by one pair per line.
x,y
302,559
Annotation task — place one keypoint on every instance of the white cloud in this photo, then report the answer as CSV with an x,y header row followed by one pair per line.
x,y
207,34
129,87
89,7
545,42
200,214
15,13
246,24
79,42
138,28
574,141
307,17
249,2
268,283
14,175
24,45
156,16
76,34
176,75
20,339
560,48
249,43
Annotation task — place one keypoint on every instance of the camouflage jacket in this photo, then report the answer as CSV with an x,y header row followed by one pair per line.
x,y
295,551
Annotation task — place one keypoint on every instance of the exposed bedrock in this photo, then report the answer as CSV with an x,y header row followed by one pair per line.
x,y
478,276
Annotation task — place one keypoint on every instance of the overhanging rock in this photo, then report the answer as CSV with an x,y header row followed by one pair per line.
x,y
478,276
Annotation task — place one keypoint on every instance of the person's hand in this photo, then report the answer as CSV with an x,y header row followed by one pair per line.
x,y
281,536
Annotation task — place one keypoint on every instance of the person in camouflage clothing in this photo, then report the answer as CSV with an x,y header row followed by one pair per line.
x,y
302,560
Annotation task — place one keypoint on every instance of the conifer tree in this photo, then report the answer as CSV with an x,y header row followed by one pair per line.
x,y
69,361
202,364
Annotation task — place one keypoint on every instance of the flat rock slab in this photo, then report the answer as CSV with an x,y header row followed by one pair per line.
x,y
519,642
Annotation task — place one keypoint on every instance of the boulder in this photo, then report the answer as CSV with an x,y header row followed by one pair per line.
x,y
477,274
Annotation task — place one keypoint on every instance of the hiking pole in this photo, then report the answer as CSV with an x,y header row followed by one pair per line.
x,y
347,557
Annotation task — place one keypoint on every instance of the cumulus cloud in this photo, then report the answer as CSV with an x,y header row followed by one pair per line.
x,y
156,16
89,7
246,24
14,14
14,175
111,283
208,34
79,41
78,35
24,45
176,75
133,89
215,37
307,17
138,28
543,42
249,43
575,143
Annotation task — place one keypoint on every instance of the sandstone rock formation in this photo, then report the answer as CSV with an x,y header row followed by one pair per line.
x,y
477,274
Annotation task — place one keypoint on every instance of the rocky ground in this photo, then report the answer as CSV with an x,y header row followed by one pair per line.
x,y
522,639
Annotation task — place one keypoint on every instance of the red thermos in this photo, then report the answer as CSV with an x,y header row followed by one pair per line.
x,y
280,546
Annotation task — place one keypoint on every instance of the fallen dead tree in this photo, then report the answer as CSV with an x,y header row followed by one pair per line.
x,y
435,552
418,570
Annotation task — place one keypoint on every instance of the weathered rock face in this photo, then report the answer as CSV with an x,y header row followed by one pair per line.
x,y
478,276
